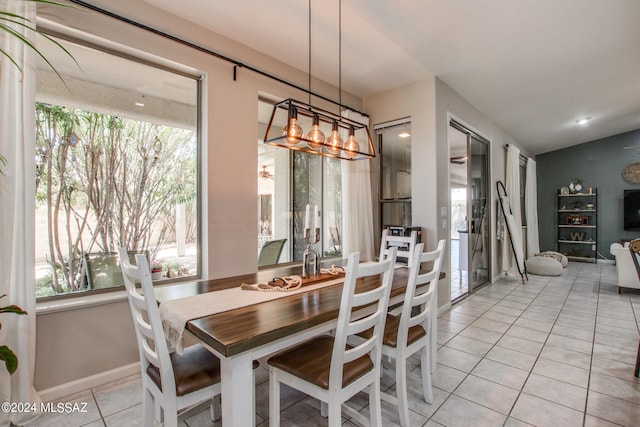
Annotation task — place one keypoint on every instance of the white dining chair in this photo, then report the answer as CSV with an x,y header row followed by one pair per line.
x,y
405,245
170,382
412,331
329,369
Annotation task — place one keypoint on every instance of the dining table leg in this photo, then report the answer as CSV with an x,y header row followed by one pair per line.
x,y
238,394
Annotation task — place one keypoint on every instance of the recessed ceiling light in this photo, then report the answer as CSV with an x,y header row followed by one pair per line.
x,y
404,135
583,121
139,104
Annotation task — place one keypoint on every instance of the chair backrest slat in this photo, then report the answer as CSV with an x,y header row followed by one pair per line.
x,y
152,344
421,293
399,242
376,301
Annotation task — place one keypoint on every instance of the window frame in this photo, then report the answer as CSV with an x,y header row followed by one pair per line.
x,y
149,60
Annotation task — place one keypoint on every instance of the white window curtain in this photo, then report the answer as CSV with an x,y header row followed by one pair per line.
x,y
357,209
512,185
531,209
17,195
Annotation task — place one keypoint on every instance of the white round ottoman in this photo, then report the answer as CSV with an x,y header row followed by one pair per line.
x,y
544,266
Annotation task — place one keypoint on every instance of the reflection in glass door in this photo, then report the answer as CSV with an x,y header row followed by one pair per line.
x,y
478,212
469,184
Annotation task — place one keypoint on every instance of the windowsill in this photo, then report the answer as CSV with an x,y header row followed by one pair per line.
x,y
92,300
74,303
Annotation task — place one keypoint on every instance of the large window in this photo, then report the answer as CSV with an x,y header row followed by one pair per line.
x,y
288,181
117,165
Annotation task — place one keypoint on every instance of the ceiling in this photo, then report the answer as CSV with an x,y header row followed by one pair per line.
x,y
533,67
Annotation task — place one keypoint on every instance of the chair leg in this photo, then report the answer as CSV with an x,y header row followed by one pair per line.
x,y
216,409
148,408
335,413
425,368
375,407
401,391
274,399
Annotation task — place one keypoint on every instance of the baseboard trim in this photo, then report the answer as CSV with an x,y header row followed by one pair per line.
x,y
86,383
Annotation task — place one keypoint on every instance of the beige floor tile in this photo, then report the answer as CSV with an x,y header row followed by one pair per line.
x,y
511,357
578,333
534,324
469,345
556,391
559,371
570,343
591,421
447,378
457,411
520,344
480,334
541,413
527,334
613,368
61,419
563,355
457,359
615,387
487,393
501,373
491,325
117,397
614,410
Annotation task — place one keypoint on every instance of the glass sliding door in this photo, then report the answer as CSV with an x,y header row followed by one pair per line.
x,y
478,186
469,233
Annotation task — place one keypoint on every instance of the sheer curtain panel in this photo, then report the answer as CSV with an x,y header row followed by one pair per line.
x,y
17,193
531,209
512,186
357,209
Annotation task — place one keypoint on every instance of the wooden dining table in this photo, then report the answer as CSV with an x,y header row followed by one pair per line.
x,y
242,335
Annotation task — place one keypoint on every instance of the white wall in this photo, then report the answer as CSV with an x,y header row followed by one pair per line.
x,y
417,101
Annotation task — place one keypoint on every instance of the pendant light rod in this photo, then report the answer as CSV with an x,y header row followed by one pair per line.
x,y
211,52
340,52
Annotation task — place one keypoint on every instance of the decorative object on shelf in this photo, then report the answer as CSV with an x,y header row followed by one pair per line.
x,y
576,205
577,236
576,186
290,118
578,219
564,191
631,173
590,205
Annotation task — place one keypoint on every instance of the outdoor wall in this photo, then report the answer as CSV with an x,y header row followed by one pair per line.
x,y
105,337
599,164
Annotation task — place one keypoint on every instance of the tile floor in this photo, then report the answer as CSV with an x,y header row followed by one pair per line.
x,y
554,352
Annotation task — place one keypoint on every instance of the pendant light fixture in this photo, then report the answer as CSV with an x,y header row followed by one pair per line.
x,y
326,130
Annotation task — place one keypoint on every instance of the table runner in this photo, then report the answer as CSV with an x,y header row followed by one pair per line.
x,y
176,313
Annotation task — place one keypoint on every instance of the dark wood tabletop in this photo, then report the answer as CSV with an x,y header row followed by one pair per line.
x,y
235,331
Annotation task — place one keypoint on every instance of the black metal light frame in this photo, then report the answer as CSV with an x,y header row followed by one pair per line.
x,y
276,130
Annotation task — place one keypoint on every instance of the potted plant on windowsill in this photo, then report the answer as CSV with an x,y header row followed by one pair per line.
x,y
156,269
6,354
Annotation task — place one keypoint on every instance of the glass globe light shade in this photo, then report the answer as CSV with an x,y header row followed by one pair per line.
x,y
292,129
315,136
351,146
334,141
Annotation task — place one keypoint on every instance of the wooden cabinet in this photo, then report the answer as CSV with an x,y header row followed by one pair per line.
x,y
578,226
